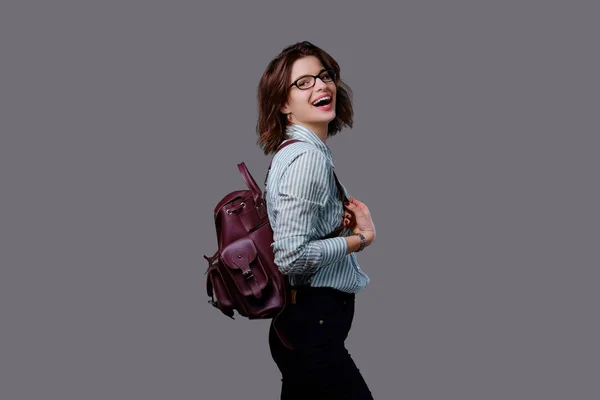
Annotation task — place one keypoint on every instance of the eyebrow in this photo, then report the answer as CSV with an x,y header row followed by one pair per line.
x,y
319,73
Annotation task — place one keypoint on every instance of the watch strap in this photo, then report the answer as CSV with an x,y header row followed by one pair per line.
x,y
363,242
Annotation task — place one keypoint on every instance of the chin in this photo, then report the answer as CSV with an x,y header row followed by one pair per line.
x,y
321,121
325,118
320,118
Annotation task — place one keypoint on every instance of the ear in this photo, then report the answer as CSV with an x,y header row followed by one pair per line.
x,y
285,109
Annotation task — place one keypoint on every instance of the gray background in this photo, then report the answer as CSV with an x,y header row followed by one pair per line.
x,y
475,147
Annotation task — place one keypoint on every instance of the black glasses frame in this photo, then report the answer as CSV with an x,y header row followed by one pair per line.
x,y
328,71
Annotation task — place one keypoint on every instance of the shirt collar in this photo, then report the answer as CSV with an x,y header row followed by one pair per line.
x,y
296,131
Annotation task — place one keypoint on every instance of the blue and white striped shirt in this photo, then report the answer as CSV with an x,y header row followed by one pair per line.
x,y
303,206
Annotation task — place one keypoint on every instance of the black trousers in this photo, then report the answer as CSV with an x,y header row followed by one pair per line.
x,y
320,366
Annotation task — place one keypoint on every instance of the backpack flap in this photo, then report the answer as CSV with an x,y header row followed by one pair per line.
x,y
245,268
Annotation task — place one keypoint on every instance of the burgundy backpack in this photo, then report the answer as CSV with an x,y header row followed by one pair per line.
x,y
242,274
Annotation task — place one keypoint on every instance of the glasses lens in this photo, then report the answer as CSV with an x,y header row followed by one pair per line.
x,y
306,82
327,76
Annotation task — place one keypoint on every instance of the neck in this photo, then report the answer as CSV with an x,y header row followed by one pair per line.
x,y
319,129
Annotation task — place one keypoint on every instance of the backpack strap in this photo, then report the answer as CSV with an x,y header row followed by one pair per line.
x,y
340,188
257,195
250,182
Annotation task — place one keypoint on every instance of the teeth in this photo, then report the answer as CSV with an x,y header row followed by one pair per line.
x,y
322,99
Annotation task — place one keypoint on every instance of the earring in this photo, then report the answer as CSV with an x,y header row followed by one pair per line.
x,y
289,116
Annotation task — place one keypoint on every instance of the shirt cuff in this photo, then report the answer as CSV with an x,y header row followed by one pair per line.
x,y
333,249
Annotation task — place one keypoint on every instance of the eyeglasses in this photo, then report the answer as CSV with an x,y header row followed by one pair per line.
x,y
308,81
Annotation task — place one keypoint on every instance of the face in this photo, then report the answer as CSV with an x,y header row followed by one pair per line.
x,y
301,103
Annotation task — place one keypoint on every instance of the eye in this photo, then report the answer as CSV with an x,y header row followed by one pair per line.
x,y
303,82
326,76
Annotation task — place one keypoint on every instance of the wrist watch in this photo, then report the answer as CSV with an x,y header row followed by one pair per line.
x,y
363,242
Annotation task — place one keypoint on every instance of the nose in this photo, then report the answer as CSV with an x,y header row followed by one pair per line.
x,y
319,84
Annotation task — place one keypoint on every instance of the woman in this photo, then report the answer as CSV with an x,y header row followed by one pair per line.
x,y
301,97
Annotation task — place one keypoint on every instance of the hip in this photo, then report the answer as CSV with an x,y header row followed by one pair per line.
x,y
317,316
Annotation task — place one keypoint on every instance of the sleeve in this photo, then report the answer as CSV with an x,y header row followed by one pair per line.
x,y
303,192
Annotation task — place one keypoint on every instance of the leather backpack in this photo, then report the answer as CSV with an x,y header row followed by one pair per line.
x,y
242,274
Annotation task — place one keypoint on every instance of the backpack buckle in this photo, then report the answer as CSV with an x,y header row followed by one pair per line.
x,y
248,274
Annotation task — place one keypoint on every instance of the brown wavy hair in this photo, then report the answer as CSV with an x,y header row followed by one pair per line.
x,y
273,91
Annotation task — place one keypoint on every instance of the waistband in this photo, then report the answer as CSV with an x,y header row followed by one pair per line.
x,y
322,291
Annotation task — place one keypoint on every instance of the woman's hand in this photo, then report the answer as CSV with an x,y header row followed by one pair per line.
x,y
358,219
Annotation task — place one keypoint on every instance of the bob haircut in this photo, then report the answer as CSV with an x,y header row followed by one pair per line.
x,y
273,91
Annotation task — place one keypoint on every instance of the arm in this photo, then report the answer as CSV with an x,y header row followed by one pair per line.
x,y
353,243
303,192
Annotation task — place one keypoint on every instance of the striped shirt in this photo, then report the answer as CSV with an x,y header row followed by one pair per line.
x,y
303,206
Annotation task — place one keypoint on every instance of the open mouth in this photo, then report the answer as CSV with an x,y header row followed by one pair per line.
x,y
322,102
